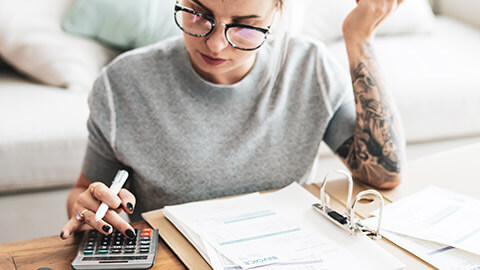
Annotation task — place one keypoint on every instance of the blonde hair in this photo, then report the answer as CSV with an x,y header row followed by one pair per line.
x,y
280,35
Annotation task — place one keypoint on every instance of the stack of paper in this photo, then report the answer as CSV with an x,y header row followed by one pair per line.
x,y
278,230
437,225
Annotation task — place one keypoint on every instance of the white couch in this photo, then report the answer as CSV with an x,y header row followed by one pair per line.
x,y
433,77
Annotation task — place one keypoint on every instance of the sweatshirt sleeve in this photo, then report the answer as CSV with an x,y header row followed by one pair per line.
x,y
338,92
100,162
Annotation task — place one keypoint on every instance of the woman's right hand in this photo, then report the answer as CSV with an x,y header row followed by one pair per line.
x,y
87,203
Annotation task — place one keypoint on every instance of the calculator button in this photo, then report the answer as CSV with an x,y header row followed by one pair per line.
x,y
88,252
147,230
144,250
129,250
103,247
102,251
143,243
116,251
89,247
145,238
130,247
146,234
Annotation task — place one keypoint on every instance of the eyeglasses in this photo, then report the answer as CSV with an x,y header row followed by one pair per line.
x,y
240,36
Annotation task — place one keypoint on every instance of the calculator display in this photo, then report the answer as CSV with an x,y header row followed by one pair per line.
x,y
115,251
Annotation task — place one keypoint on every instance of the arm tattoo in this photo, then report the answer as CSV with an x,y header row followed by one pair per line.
x,y
373,152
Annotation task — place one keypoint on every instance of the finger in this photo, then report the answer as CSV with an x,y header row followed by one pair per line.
x,y
69,228
100,225
119,223
104,194
128,200
88,201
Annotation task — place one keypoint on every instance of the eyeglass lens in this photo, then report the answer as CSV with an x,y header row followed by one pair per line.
x,y
241,37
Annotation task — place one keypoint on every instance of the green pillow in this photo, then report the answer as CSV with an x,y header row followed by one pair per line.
x,y
123,24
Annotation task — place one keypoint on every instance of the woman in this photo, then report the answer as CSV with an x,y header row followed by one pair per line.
x,y
221,112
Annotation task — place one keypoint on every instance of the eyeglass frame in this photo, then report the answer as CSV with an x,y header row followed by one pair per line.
x,y
265,31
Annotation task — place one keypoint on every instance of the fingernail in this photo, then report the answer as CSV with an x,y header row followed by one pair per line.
x,y
61,235
106,228
130,206
130,233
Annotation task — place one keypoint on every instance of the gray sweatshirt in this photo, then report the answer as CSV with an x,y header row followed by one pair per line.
x,y
185,139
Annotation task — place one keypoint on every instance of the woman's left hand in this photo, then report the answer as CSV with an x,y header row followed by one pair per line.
x,y
361,23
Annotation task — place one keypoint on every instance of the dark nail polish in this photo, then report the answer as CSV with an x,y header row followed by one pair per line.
x,y
130,206
106,228
130,233
61,235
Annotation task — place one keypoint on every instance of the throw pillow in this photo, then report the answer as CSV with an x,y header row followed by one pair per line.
x,y
32,41
123,24
323,19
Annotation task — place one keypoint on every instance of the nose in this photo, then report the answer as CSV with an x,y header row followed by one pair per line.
x,y
217,41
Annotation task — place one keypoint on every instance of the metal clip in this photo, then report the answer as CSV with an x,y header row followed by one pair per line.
x,y
348,221
372,233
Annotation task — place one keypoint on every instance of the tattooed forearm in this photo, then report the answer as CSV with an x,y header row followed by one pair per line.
x,y
375,152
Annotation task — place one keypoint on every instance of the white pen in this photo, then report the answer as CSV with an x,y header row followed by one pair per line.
x,y
117,184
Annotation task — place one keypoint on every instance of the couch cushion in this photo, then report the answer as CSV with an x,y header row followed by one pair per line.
x,y
323,19
434,79
32,41
43,135
124,24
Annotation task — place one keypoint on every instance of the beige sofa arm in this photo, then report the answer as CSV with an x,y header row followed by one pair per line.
x,y
463,10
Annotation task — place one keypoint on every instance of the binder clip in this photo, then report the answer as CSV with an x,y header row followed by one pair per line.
x,y
348,220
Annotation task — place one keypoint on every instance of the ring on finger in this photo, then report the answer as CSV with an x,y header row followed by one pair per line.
x,y
80,216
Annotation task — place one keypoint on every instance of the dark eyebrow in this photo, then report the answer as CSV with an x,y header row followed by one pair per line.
x,y
235,18
202,5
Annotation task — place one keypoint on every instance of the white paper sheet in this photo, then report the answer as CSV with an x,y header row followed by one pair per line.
x,y
248,232
438,255
437,215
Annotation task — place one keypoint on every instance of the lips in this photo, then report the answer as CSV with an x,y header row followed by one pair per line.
x,y
212,60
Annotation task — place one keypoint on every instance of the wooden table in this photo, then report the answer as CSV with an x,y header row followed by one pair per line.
x,y
55,253
455,170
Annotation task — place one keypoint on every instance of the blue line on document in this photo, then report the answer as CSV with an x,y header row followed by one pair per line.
x,y
468,235
440,250
446,214
258,237
250,216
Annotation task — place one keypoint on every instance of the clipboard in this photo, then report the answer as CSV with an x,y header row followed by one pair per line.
x,y
192,259
184,250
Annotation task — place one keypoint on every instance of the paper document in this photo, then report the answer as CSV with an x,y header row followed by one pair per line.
x,y
247,231
277,230
437,215
438,255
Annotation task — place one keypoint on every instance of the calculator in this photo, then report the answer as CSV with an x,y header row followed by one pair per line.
x,y
115,251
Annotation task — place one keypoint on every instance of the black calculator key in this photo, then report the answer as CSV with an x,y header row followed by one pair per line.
x,y
147,238
116,251
144,250
88,247
129,250
130,247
